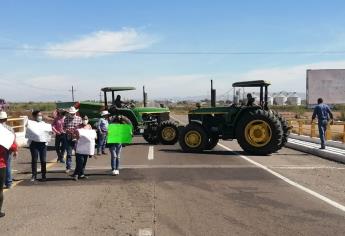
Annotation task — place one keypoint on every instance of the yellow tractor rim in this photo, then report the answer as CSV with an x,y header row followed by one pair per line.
x,y
192,139
258,133
168,133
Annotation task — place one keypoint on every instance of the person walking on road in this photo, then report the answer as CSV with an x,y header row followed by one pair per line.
x,y
37,133
85,148
9,180
71,123
116,148
102,130
324,115
3,157
60,142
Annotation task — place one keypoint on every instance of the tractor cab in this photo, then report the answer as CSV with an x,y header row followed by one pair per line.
x,y
263,93
112,91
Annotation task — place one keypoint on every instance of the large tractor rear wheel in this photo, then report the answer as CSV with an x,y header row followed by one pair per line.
x,y
151,135
168,132
151,138
286,130
259,132
193,138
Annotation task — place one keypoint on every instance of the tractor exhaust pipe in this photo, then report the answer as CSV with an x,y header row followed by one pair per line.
x,y
144,97
213,95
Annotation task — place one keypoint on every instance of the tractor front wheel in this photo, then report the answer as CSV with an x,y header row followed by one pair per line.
x,y
212,142
193,138
168,132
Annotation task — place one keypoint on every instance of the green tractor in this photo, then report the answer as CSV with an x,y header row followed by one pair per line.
x,y
258,129
153,123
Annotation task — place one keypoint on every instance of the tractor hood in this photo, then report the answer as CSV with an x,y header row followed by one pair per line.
x,y
211,110
142,110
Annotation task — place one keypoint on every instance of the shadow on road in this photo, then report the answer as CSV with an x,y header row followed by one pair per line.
x,y
211,152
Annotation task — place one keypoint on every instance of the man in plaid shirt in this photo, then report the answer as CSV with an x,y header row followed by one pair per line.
x,y
71,123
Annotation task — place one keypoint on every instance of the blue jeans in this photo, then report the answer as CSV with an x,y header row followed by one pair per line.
x,y
101,141
81,161
8,181
322,131
60,146
115,152
70,146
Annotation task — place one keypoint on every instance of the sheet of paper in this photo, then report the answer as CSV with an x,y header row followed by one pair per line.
x,y
6,137
38,131
120,133
86,142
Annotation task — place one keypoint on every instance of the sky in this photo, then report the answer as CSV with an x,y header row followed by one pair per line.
x,y
173,48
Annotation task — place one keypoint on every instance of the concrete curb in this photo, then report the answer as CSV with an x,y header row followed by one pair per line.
x,y
334,144
331,153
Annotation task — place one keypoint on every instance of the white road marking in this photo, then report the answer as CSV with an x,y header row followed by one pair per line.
x,y
150,155
306,167
287,180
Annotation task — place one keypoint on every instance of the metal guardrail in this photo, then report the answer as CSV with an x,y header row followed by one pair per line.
x,y
306,127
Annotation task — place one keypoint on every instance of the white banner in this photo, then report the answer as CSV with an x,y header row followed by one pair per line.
x,y
6,137
86,142
38,131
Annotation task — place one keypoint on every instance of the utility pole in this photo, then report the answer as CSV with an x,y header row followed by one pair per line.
x,y
144,97
100,97
73,90
213,95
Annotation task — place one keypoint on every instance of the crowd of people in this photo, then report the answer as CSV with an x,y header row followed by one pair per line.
x,y
69,127
73,134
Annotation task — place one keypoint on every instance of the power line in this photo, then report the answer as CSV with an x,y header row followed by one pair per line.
x,y
218,52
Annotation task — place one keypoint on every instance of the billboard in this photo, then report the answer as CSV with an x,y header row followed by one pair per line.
x,y
328,84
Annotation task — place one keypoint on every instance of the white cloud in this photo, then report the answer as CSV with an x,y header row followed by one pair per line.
x,y
98,43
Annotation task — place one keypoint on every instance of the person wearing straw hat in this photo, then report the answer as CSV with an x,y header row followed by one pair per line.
x,y
102,130
71,123
8,181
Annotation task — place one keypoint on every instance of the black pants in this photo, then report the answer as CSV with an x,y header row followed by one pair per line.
x,y
2,181
81,161
60,146
38,149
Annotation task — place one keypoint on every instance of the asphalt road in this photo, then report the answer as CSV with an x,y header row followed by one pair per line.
x,y
162,191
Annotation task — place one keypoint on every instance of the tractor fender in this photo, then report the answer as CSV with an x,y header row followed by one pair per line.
x,y
241,112
198,122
